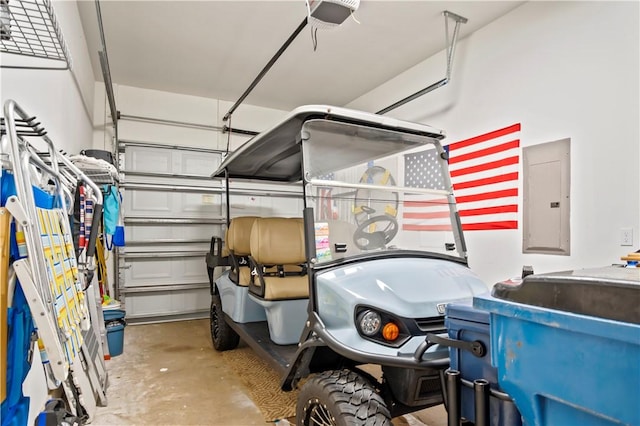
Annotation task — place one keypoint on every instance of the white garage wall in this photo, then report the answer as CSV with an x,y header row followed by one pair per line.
x,y
562,69
63,104
134,101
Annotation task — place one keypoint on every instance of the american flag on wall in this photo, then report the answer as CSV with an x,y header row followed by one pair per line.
x,y
324,203
484,174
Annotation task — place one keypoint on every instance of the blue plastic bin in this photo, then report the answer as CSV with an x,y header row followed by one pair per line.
x,y
561,356
468,324
8,188
115,338
115,324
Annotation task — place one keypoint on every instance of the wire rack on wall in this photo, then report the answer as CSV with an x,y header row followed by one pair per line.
x,y
101,177
30,28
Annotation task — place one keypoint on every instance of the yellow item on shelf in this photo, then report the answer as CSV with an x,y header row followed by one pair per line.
x,y
632,259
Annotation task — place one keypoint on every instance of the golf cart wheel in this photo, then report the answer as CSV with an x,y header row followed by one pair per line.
x,y
223,336
340,398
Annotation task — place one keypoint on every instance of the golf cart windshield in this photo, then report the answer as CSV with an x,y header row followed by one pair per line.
x,y
374,183
375,189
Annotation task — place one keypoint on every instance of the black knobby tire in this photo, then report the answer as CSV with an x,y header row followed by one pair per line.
x,y
340,398
222,335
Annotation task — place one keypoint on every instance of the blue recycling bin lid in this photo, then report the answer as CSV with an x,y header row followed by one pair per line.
x,y
113,314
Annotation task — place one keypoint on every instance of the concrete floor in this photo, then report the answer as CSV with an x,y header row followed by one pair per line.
x,y
170,374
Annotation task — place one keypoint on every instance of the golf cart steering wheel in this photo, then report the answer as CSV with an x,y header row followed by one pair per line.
x,y
375,239
362,208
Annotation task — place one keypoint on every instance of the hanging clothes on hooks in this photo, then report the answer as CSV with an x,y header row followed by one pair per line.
x,y
114,232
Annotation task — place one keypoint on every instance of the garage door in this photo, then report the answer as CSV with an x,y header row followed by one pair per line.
x,y
171,209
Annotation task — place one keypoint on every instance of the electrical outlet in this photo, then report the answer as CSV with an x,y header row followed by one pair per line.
x,y
626,237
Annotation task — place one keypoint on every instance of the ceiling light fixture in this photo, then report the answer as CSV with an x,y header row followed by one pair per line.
x,y
330,13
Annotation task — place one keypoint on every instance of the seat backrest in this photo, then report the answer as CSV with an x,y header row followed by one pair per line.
x,y
238,240
278,254
277,241
239,235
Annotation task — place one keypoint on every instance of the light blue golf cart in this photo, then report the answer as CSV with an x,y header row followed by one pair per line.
x,y
360,277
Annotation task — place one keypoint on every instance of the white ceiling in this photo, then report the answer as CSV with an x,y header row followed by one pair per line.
x,y
216,48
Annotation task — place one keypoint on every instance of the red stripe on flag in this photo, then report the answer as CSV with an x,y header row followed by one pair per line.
x,y
486,166
513,192
424,215
430,203
509,208
505,224
487,151
486,181
483,138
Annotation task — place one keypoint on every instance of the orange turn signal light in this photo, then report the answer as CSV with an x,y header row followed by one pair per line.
x,y
390,332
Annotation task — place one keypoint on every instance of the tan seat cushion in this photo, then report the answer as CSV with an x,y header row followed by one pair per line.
x,y
239,235
281,288
238,238
280,241
244,276
277,241
225,247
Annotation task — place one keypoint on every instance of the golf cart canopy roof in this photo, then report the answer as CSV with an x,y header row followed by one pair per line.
x,y
275,154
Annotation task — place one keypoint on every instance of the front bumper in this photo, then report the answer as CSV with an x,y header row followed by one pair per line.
x,y
419,358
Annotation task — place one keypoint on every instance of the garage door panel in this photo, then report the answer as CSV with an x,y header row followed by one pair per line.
x,y
262,206
147,273
241,205
171,161
143,203
198,164
151,273
148,160
289,207
143,233
140,203
200,299
161,304
161,179
150,233
195,205
213,204
193,270
171,211
201,232
170,245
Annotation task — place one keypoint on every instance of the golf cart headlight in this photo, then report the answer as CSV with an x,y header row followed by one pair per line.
x,y
369,323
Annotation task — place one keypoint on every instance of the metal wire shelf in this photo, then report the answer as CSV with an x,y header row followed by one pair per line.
x,y
30,28
101,177
31,127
